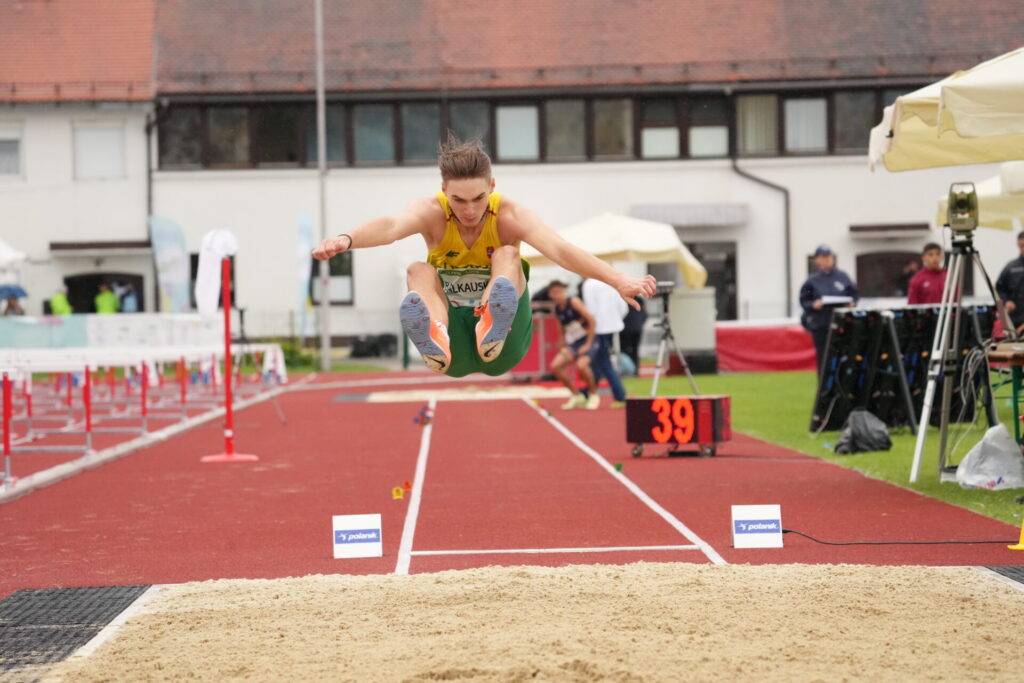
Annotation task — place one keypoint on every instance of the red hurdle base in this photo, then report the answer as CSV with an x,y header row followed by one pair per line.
x,y
229,457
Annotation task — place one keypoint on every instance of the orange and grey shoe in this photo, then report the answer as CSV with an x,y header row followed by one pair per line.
x,y
496,318
429,336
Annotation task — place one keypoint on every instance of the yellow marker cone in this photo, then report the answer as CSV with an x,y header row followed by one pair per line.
x,y
1020,543
397,493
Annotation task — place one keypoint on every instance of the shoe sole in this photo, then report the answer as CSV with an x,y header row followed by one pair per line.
x,y
415,320
503,303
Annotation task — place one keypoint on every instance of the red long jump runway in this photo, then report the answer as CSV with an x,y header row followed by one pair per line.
x,y
159,515
497,476
823,500
503,487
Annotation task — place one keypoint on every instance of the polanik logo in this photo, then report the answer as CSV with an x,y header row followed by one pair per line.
x,y
756,526
357,536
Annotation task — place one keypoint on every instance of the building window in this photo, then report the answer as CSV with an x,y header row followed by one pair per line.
x,y
659,129
228,131
889,95
373,130
471,121
10,149
518,129
806,125
334,115
708,134
181,138
99,151
276,135
421,126
757,124
340,284
613,129
853,115
564,130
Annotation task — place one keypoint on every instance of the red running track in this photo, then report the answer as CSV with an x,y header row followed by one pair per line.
x,y
498,477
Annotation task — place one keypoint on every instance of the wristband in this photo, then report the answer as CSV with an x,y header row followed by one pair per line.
x,y
345,234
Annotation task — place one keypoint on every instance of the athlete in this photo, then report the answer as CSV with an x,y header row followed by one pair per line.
x,y
468,307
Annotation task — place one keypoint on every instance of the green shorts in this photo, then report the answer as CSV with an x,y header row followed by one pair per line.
x,y
462,340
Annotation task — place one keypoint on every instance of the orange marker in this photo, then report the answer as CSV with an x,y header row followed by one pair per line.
x,y
407,485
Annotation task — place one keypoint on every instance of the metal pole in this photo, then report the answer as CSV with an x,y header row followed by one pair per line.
x,y
321,162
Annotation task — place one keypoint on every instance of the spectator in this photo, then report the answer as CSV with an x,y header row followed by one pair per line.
x,y
1010,287
927,284
106,301
608,309
13,307
825,289
632,331
129,300
576,326
59,304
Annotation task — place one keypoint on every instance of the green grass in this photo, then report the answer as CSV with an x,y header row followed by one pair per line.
x,y
776,407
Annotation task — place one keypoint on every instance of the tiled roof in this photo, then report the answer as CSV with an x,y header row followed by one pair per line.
x,y
59,50
239,46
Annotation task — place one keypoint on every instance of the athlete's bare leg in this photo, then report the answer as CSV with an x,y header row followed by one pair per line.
x,y
505,262
424,316
421,277
586,374
558,369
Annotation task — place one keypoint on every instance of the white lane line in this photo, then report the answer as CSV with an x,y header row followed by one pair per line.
x,y
396,381
411,515
535,551
111,629
633,488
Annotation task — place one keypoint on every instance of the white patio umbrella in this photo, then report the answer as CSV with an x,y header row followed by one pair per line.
x,y
971,117
1000,199
622,238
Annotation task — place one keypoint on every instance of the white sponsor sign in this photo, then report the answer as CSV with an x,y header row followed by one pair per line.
x,y
357,536
756,526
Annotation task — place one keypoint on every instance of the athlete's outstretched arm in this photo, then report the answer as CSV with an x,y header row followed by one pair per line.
x,y
524,225
379,231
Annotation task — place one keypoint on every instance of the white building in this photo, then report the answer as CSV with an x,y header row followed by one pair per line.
x,y
646,111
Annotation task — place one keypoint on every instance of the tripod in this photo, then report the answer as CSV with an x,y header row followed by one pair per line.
x,y
944,357
664,289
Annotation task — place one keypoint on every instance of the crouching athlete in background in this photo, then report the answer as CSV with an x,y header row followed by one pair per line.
x,y
468,306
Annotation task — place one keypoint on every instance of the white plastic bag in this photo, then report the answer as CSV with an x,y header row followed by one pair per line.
x,y
994,463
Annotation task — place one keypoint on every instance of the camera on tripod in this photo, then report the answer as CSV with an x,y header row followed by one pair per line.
x,y
962,207
664,287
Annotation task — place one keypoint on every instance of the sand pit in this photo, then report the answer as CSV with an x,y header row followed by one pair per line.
x,y
656,622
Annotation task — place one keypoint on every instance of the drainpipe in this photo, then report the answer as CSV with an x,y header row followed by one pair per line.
x,y
150,125
786,234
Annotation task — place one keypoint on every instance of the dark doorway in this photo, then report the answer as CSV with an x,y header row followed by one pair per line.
x,y
886,273
719,258
82,289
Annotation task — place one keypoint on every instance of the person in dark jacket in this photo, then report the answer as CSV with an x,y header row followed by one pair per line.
x,y
825,289
1010,286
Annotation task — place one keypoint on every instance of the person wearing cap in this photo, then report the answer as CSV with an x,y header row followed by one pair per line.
x,y
826,288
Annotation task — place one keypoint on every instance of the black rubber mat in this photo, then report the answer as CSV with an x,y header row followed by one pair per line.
x,y
47,625
1015,572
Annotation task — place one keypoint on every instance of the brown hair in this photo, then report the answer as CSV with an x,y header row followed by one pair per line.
x,y
460,159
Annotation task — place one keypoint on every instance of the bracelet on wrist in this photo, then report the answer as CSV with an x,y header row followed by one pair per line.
x,y
345,234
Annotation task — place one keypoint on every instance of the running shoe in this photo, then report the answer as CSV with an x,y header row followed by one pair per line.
x,y
496,318
429,336
593,401
575,401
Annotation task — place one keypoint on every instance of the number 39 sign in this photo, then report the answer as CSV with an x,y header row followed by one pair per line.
x,y
679,420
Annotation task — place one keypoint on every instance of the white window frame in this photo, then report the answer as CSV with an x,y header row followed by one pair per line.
x,y
14,131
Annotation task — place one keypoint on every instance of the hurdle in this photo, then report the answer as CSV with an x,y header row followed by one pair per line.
x,y
85,414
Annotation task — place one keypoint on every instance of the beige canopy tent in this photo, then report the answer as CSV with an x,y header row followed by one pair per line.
x,y
1000,199
621,238
971,117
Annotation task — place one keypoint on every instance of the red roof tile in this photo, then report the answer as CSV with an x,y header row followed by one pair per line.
x,y
267,45
54,50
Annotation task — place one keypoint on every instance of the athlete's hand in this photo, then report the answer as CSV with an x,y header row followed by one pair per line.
x,y
632,287
332,246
